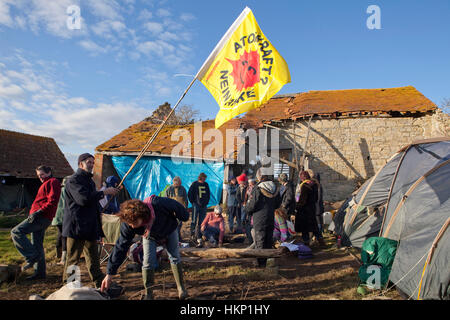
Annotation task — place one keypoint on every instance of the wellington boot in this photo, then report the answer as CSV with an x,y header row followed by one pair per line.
x,y
148,277
177,270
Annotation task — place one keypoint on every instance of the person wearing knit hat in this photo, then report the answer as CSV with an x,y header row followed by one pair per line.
x,y
305,219
213,227
110,204
232,205
199,195
318,190
242,190
84,156
82,221
242,178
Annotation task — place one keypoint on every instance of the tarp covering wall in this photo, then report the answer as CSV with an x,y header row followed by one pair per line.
x,y
152,174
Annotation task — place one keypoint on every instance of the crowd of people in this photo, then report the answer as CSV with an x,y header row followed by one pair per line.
x,y
262,209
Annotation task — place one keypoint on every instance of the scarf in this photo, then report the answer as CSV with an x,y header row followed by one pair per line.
x,y
299,188
148,224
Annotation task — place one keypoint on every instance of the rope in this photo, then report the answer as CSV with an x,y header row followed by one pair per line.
x,y
395,284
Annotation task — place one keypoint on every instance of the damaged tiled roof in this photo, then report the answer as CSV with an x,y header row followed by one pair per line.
x,y
21,154
134,138
282,107
339,102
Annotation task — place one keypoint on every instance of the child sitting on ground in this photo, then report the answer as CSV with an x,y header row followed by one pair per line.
x,y
281,230
213,227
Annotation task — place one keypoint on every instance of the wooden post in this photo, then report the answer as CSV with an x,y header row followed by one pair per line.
x,y
302,161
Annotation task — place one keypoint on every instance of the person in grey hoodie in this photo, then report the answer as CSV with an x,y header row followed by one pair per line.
x,y
264,200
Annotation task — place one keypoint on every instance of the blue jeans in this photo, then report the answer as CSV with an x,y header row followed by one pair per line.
x,y
180,225
32,251
243,214
212,234
198,215
150,260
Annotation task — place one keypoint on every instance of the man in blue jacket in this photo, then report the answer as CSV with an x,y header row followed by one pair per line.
x,y
82,222
156,219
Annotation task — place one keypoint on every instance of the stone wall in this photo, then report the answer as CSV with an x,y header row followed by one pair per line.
x,y
346,152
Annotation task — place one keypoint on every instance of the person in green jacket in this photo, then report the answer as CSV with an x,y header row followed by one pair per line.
x,y
61,251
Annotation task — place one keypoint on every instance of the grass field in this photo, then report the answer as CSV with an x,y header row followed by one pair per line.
x,y
10,255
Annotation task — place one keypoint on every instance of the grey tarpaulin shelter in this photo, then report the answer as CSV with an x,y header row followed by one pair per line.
x,y
418,216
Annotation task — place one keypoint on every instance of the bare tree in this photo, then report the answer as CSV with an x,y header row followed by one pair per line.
x,y
187,114
446,105
183,115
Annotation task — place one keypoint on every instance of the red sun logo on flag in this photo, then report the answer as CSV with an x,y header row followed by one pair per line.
x,y
245,70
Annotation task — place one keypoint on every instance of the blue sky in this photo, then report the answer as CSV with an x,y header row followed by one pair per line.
x,y
83,86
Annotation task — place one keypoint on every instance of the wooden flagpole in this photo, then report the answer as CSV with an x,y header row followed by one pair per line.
x,y
150,141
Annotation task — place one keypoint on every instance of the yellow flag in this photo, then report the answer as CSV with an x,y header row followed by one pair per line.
x,y
244,70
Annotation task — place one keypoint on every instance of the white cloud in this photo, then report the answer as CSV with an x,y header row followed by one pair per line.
x,y
158,82
107,32
20,105
158,47
11,91
5,118
154,27
72,158
38,15
92,47
20,22
75,122
105,29
5,17
108,9
164,91
169,36
163,13
52,15
145,15
87,127
187,17
134,55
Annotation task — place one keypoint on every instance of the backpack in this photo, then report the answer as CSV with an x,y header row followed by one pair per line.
x,y
304,252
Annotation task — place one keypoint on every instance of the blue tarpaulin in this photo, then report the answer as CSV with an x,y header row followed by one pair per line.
x,y
152,174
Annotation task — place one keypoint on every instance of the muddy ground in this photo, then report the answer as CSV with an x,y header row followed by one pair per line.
x,y
331,274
